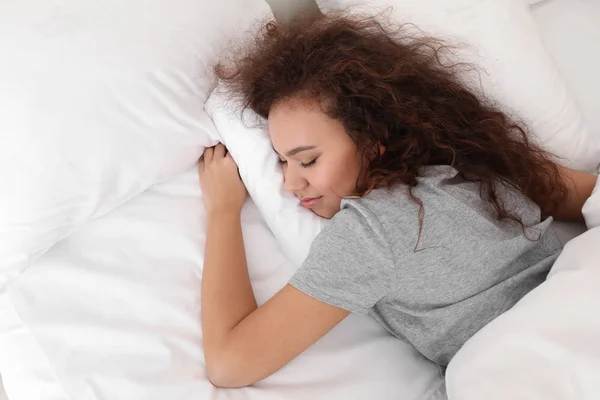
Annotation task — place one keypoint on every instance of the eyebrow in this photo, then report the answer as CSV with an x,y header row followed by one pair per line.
x,y
299,149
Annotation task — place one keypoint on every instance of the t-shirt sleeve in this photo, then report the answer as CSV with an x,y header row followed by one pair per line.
x,y
350,264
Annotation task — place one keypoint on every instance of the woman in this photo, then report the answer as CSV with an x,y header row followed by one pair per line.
x,y
436,198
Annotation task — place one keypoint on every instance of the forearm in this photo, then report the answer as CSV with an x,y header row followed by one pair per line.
x,y
580,186
227,296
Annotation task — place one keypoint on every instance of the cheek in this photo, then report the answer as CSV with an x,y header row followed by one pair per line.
x,y
338,176
350,166
323,178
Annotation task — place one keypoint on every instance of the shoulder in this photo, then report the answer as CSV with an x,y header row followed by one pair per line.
x,y
357,221
350,263
401,199
387,212
356,230
394,212
377,205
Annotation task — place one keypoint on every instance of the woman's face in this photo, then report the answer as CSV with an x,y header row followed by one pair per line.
x,y
321,164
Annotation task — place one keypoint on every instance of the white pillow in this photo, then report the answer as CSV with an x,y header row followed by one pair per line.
x,y
503,39
99,101
570,31
248,142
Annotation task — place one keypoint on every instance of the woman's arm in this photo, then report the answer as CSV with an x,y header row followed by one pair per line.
x,y
227,296
580,186
242,343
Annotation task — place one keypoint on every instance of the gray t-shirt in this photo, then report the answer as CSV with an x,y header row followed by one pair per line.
x,y
466,269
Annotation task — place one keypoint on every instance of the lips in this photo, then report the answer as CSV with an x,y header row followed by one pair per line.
x,y
310,202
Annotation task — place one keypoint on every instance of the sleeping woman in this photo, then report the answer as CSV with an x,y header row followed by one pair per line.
x,y
440,205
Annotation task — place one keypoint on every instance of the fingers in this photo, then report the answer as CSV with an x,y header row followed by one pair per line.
x,y
214,153
208,154
219,151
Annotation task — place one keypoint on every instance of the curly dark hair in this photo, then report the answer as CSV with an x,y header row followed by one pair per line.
x,y
399,90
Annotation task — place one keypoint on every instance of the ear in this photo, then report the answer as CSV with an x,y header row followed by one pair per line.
x,y
381,149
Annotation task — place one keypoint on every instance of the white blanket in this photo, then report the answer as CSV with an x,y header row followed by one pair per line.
x,y
548,346
113,313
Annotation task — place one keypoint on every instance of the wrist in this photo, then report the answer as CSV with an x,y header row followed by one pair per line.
x,y
224,214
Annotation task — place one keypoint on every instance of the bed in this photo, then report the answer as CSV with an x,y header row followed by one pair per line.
x,y
111,310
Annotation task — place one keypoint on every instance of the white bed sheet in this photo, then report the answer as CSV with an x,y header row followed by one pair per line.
x,y
112,313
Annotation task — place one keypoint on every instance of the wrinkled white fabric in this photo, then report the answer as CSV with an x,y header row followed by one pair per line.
x,y
113,313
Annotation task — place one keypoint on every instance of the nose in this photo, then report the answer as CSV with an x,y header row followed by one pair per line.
x,y
293,180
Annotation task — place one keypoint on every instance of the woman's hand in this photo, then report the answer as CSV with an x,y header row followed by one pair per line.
x,y
222,188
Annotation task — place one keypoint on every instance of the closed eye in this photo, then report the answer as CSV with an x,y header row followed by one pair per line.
x,y
309,164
